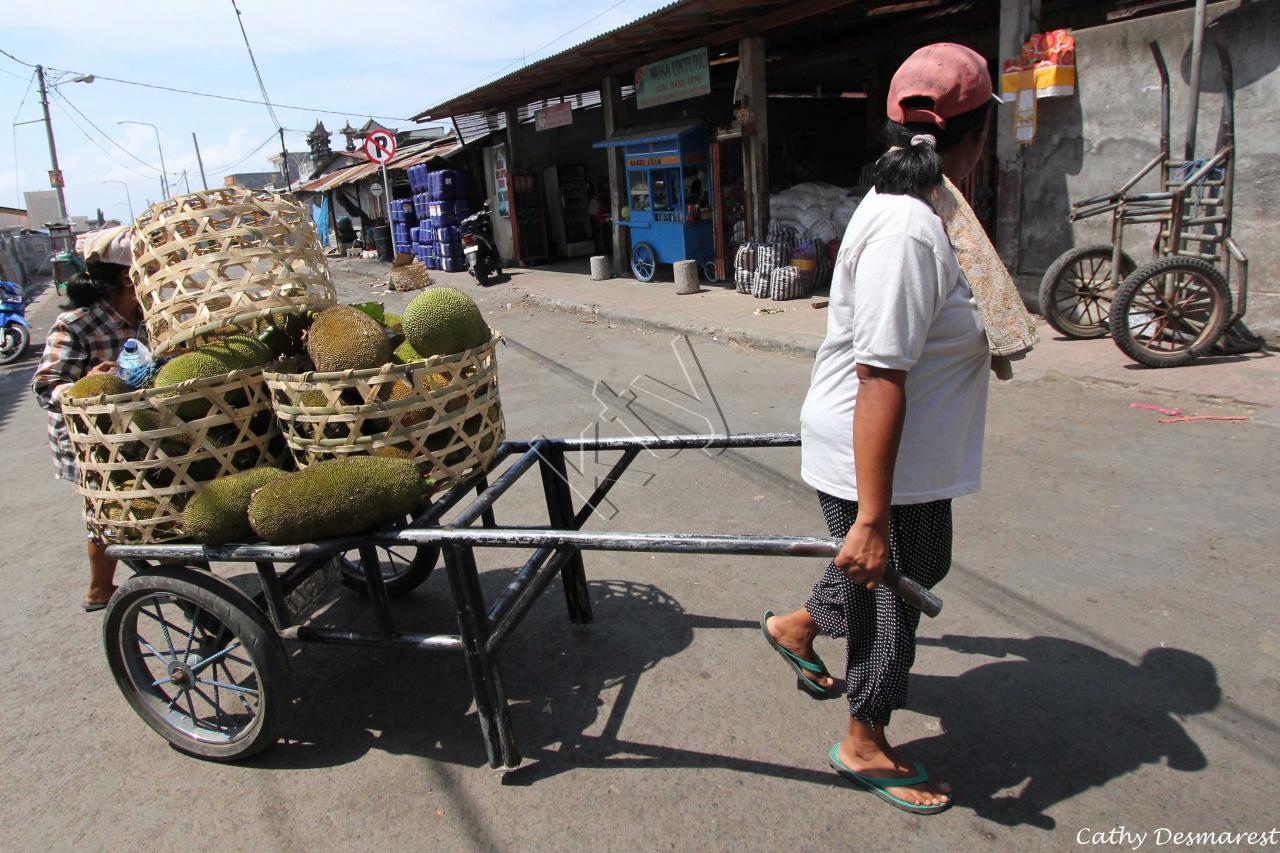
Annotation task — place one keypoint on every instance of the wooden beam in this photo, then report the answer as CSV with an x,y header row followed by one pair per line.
x,y
611,101
755,136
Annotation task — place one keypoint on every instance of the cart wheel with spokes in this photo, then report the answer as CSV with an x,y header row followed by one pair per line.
x,y
404,567
1170,311
198,661
1076,291
644,262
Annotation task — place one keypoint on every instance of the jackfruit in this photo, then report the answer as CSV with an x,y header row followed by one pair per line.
x,y
342,338
95,384
138,508
401,390
220,512
442,321
336,497
391,451
204,363
405,353
393,322
254,352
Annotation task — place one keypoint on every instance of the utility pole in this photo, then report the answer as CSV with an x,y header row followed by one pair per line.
x,y
186,182
55,176
284,155
196,143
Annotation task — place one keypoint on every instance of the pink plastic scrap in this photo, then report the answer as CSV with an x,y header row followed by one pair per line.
x,y
1173,413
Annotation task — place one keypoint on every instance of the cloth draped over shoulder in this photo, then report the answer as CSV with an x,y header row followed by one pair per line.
x,y
1011,333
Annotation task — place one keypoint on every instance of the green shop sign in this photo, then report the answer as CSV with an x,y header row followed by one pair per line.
x,y
685,76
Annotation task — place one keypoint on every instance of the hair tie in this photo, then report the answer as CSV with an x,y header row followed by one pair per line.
x,y
924,139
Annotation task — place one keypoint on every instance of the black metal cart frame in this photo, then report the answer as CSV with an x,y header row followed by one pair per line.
x,y
483,627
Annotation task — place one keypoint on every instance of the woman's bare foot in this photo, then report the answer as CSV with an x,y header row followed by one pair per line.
x,y
795,632
866,750
98,595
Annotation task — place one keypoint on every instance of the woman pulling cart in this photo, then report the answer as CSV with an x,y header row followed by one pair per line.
x,y
892,427
102,314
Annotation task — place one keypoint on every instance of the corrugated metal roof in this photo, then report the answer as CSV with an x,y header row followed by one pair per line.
x,y
682,25
660,134
673,29
411,155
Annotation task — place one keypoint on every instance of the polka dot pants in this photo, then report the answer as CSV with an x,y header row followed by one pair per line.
x,y
880,628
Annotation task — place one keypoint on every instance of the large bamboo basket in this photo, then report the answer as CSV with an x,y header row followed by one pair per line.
x,y
225,257
450,430
139,462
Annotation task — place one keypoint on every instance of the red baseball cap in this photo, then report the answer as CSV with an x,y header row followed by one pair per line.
x,y
953,77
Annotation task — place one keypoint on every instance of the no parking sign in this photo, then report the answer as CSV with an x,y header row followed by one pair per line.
x,y
380,146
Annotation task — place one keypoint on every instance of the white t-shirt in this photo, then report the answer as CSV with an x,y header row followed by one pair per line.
x,y
900,301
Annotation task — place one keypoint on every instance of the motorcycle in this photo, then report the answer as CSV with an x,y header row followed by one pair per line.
x,y
478,246
14,327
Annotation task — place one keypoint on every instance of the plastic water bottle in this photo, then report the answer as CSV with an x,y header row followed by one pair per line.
x,y
134,363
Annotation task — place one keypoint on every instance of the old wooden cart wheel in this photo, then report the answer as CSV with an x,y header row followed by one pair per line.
x,y
1170,311
1076,291
198,661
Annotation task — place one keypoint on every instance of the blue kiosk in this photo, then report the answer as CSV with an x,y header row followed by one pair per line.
x,y
669,198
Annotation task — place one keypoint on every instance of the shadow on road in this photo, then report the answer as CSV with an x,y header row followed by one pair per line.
x,y
556,675
15,383
1054,718
1049,720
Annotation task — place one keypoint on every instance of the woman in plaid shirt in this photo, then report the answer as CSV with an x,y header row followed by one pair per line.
x,y
103,314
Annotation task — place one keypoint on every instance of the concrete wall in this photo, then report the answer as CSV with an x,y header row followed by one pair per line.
x,y
1092,143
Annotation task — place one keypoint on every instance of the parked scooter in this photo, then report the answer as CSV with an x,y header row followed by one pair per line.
x,y
13,323
478,246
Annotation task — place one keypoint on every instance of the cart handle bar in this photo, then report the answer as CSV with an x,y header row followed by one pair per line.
x,y
673,543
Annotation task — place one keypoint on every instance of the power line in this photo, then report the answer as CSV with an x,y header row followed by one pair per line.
x,y
524,59
177,91
264,144
17,176
256,73
96,143
62,96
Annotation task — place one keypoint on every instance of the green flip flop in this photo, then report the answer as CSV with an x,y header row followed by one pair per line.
x,y
877,785
800,666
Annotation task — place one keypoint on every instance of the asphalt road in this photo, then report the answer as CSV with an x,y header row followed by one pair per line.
x,y
1107,656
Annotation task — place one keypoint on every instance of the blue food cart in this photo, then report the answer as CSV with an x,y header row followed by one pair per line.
x,y
669,198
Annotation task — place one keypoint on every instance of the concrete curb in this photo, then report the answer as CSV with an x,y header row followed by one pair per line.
x,y
805,346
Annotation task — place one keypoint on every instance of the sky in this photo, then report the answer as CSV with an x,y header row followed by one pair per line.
x,y
318,54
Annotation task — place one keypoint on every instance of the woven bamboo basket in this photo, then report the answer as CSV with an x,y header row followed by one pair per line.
x,y
139,462
225,257
447,416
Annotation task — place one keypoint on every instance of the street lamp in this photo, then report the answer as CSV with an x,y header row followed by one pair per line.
x,y
164,176
126,195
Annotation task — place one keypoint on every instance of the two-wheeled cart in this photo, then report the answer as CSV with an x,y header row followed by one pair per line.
x,y
203,662
669,199
1178,306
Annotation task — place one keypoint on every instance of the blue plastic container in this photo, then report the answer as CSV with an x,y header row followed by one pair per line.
x,y
448,234
461,208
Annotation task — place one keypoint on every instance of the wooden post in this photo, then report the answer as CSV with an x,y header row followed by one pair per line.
x,y
1015,26
755,136
611,101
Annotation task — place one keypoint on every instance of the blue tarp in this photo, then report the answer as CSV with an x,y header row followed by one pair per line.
x,y
320,215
